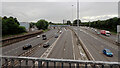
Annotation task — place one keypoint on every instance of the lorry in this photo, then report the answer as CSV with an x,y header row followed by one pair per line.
x,y
104,32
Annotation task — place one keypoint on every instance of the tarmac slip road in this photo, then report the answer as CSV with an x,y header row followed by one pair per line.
x,y
111,39
96,45
16,48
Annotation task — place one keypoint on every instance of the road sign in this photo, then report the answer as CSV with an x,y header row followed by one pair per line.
x,y
118,28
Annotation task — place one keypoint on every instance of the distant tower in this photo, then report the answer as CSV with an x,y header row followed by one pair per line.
x,y
63,21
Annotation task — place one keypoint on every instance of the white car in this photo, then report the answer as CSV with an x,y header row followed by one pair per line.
x,y
38,36
95,30
60,32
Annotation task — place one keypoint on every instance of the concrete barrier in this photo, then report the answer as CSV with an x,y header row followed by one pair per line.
x,y
12,40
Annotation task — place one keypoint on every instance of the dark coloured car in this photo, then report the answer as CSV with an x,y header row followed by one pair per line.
x,y
56,36
44,37
46,45
27,46
107,52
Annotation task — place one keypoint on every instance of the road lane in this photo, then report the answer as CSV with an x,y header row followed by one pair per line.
x,y
63,48
40,50
16,49
110,39
95,47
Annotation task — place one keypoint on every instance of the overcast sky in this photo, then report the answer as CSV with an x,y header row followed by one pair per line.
x,y
56,11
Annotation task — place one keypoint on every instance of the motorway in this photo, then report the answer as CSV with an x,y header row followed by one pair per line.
x,y
66,46
95,45
16,48
110,39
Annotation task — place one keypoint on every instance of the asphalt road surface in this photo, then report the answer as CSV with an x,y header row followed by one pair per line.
x,y
16,48
110,39
66,46
95,45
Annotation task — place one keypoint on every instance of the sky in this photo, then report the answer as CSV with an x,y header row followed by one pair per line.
x,y
58,10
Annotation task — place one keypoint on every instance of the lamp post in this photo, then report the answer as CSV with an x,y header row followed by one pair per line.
x,y
78,13
72,15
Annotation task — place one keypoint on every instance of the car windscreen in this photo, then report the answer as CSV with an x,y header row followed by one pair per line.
x,y
43,35
108,51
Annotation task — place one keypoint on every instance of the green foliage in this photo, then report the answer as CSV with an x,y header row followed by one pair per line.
x,y
75,22
21,29
42,24
69,22
51,23
109,24
11,26
32,24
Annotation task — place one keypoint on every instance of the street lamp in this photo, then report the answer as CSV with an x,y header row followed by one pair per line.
x,y
78,13
72,15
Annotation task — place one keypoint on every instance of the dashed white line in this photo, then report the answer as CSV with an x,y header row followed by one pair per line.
x,y
73,47
48,51
85,48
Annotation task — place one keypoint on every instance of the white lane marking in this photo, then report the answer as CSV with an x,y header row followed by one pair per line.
x,y
82,54
73,48
64,49
48,51
22,45
99,40
64,29
89,34
85,47
17,48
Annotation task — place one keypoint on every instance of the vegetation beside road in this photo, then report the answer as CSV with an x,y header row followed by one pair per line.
x,y
74,23
109,24
46,30
11,26
42,24
8,36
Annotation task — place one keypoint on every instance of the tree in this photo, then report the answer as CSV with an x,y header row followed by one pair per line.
x,y
15,19
75,22
11,26
109,24
50,23
69,22
42,24
32,24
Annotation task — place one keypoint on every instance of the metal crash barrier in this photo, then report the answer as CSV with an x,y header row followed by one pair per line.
x,y
13,61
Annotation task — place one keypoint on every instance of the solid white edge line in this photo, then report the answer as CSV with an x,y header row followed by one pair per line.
x,y
52,46
85,47
73,48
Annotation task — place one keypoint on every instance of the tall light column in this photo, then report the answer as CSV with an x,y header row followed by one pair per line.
x,y
72,15
78,13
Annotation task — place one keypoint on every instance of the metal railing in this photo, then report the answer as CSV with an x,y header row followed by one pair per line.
x,y
12,61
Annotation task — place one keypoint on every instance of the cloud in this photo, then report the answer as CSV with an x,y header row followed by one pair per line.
x,y
95,18
57,11
59,0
